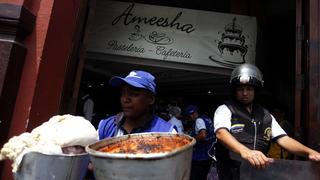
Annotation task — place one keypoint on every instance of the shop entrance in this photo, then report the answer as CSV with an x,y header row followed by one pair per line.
x,y
204,85
177,84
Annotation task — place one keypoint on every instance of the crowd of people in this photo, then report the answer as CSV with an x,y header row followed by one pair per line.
x,y
240,129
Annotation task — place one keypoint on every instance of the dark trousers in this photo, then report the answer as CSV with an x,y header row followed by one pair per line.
x,y
200,169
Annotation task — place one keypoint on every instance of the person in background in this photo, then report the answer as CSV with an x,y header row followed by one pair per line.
x,y
88,107
203,132
85,105
174,113
244,129
162,111
138,90
280,116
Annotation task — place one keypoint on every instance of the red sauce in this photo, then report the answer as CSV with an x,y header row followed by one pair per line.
x,y
146,145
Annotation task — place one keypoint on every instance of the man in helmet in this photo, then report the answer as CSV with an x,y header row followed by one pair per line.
x,y
244,128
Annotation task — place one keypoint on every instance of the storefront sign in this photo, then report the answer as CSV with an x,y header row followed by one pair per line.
x,y
172,34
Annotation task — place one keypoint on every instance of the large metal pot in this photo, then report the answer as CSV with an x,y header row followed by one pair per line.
x,y
174,165
38,166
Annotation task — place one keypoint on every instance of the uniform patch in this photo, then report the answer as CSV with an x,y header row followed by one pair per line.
x,y
236,128
267,134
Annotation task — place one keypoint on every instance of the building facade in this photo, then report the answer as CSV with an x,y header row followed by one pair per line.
x,y
42,55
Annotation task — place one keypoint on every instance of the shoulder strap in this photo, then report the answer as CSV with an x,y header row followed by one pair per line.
x,y
229,104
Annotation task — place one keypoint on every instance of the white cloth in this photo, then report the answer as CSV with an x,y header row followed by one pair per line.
x,y
200,124
49,138
174,121
222,119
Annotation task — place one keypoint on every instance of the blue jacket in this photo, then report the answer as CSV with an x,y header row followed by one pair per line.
x,y
110,126
202,148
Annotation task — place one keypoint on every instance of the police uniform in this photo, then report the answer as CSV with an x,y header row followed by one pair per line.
x,y
254,130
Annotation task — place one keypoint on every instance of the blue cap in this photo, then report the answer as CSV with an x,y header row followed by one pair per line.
x,y
190,109
138,79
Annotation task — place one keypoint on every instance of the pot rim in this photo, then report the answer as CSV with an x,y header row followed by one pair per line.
x,y
57,155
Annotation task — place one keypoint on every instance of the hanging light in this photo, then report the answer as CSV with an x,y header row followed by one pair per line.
x,y
209,92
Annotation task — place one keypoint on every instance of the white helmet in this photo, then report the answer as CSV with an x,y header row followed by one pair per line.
x,y
246,74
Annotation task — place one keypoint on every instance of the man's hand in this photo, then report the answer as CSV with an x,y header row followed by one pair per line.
x,y
297,148
314,156
201,136
256,158
90,166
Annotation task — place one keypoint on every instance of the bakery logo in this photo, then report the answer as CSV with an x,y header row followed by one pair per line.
x,y
232,46
154,37
161,40
127,17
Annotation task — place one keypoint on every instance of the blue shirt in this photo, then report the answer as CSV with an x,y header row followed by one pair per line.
x,y
111,126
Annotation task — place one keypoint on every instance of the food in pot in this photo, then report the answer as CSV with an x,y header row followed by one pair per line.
x,y
146,145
